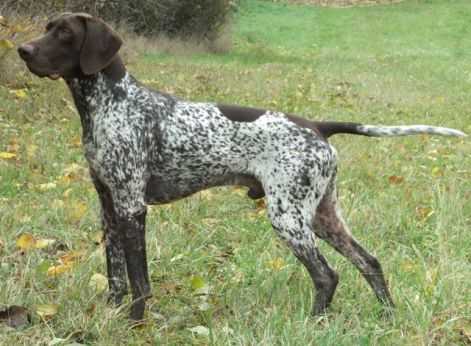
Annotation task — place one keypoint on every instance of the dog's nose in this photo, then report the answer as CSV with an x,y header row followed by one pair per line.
x,y
26,51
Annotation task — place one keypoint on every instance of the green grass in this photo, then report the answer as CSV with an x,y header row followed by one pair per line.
x,y
398,64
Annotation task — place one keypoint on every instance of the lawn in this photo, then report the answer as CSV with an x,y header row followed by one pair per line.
x,y
219,274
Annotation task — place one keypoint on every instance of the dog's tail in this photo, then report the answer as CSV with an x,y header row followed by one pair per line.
x,y
328,129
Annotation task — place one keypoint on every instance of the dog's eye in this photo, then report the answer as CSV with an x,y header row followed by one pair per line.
x,y
64,33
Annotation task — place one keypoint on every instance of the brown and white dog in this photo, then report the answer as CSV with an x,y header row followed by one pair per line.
x,y
146,147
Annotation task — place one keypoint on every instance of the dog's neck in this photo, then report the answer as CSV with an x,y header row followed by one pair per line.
x,y
91,92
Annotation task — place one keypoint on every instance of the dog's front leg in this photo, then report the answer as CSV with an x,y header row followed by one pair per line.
x,y
132,231
115,257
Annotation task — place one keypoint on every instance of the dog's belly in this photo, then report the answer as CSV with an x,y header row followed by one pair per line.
x,y
160,189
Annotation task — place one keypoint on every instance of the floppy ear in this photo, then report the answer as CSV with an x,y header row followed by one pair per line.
x,y
100,45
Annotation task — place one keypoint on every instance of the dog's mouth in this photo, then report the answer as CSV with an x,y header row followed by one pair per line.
x,y
41,73
54,76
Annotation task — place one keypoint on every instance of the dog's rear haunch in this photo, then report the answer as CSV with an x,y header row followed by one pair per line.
x,y
146,147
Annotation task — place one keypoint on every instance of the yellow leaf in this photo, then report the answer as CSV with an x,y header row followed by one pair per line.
x,y
207,194
72,172
71,257
43,243
6,44
408,266
2,244
277,264
59,269
7,156
67,193
197,283
424,213
47,310
77,211
98,282
19,93
97,237
76,142
437,172
25,241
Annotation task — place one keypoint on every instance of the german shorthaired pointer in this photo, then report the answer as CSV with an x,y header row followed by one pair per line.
x,y
146,147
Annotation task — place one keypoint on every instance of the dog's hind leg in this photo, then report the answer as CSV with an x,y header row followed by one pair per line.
x,y
296,231
330,226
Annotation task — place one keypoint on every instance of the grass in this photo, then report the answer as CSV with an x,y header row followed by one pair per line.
x,y
406,199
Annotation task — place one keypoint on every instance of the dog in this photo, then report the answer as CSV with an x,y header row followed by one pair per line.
x,y
146,147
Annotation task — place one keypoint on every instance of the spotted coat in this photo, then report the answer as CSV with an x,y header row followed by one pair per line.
x,y
152,148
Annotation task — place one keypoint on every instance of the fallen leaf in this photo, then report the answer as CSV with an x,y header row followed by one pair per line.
x,y
19,94
396,179
43,243
260,204
58,269
207,195
76,211
6,44
97,237
71,257
437,172
15,316
6,155
199,286
98,282
25,241
197,282
76,142
424,213
200,330
46,311
277,264
67,193
72,172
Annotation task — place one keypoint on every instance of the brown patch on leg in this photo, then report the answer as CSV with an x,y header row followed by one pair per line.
x,y
330,226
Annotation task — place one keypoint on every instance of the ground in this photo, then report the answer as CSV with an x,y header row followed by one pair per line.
x,y
219,274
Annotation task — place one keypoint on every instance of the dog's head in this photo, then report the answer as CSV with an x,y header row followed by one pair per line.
x,y
74,45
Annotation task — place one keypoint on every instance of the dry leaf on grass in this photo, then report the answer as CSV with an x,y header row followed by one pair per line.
x,y
26,241
98,282
396,179
47,311
7,156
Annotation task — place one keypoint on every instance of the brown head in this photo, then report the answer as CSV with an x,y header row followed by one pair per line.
x,y
74,45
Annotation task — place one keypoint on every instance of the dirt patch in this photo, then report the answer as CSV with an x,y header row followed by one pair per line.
x,y
344,3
